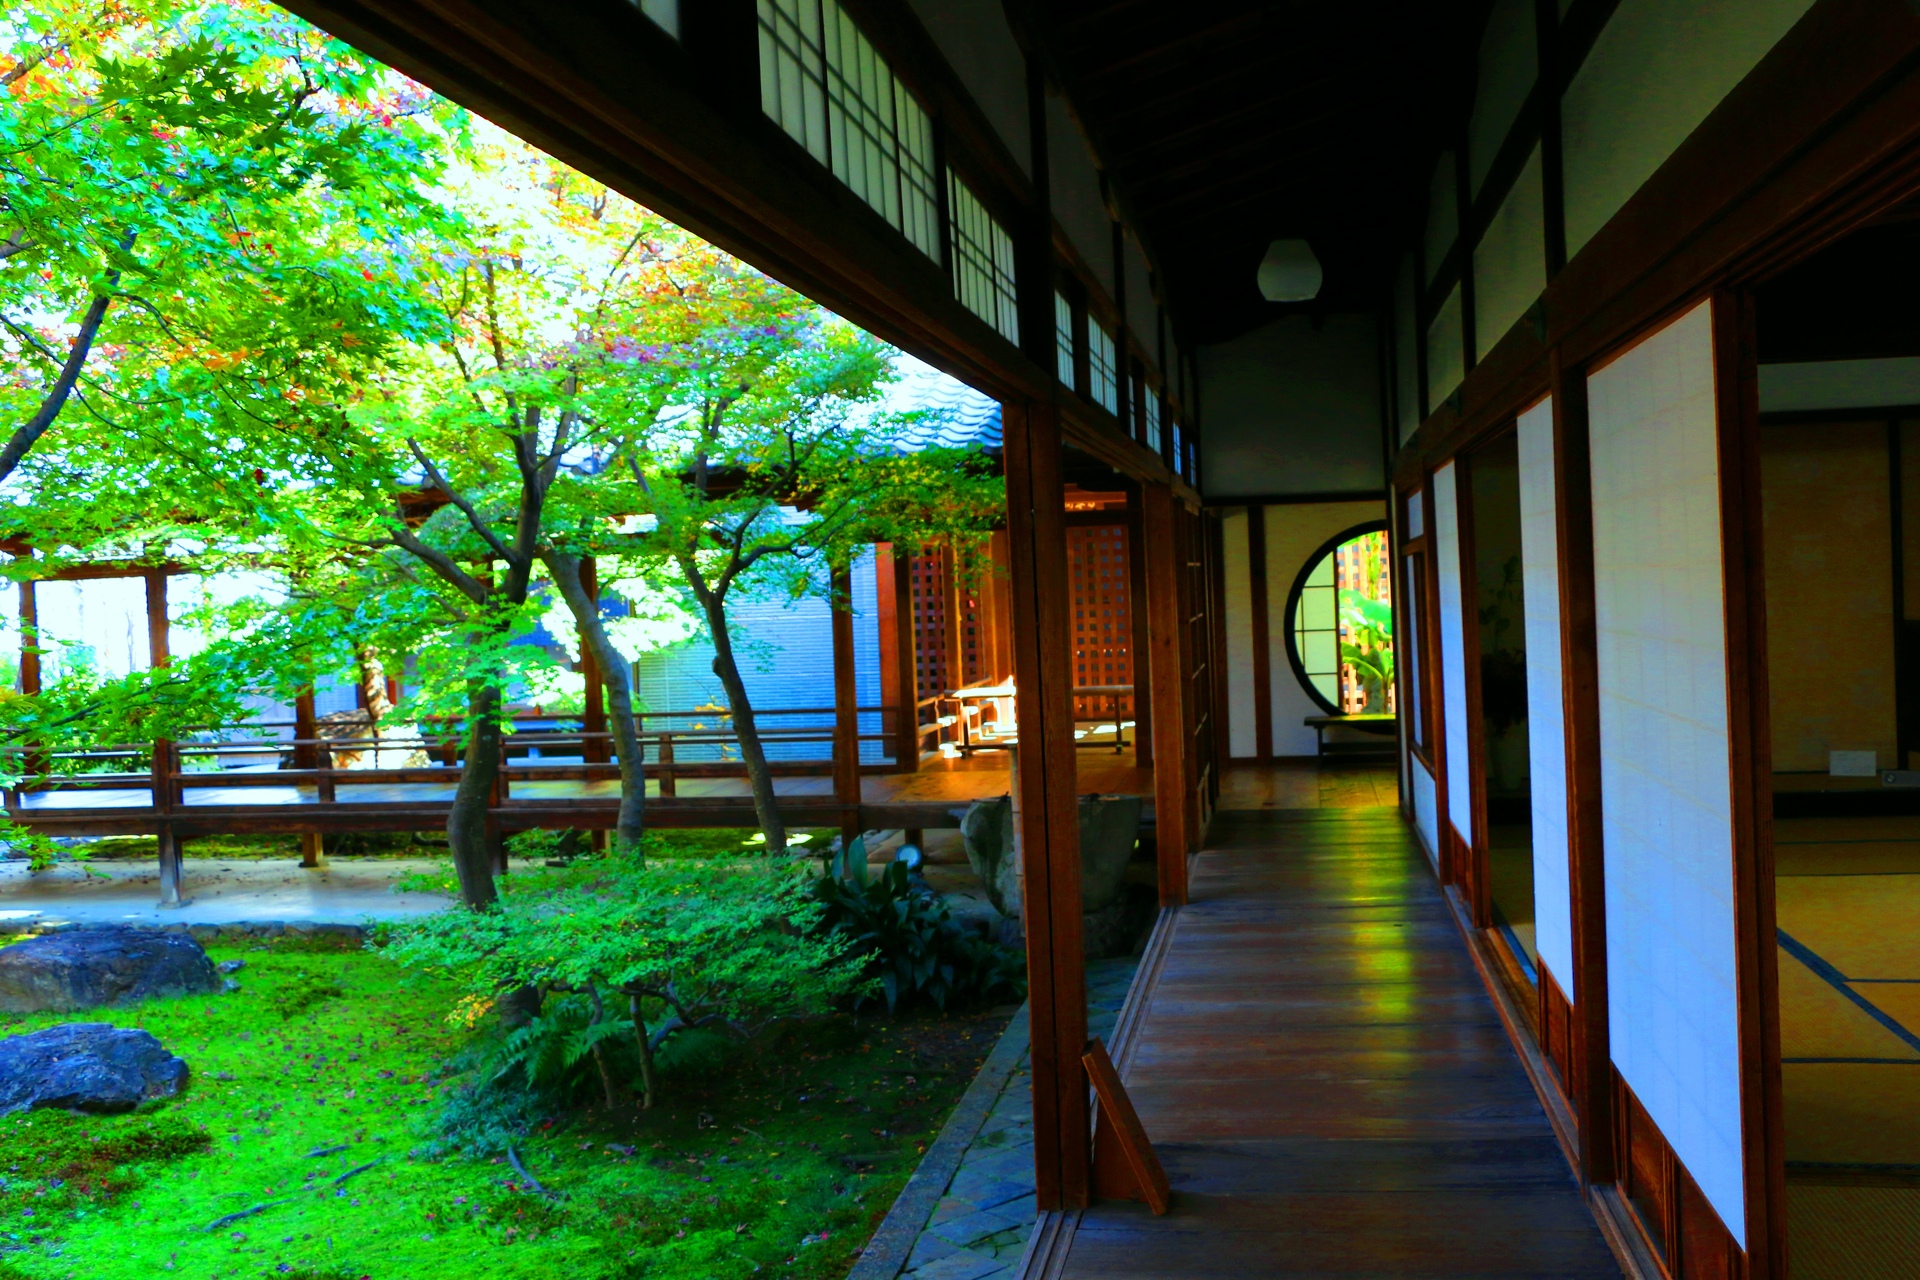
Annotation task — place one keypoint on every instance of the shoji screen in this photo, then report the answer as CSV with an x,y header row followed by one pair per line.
x,y
1453,660
1239,633
1665,792
1546,720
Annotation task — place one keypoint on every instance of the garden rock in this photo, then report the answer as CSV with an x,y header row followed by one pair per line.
x,y
83,969
1109,830
86,1066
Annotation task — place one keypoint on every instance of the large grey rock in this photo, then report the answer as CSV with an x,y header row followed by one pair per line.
x,y
86,1066
1109,829
86,968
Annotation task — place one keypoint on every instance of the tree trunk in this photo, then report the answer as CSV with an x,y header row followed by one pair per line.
x,y
630,825
765,807
645,1046
470,833
373,685
28,433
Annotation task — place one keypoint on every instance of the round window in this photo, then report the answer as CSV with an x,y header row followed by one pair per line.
x,y
1340,624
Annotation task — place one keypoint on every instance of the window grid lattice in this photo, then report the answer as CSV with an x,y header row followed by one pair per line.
x,y
1153,420
1106,386
823,82
982,261
1063,338
1102,615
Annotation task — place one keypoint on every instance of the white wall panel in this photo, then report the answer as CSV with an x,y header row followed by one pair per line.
x,y
1446,350
1546,711
1143,316
1840,384
1666,806
1453,641
1657,70
1504,77
1077,203
978,44
1510,264
1426,807
1241,739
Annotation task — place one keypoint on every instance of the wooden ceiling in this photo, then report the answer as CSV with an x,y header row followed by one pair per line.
x,y
1226,124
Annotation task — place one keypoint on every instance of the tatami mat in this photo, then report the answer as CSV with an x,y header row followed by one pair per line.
x,y
1853,1232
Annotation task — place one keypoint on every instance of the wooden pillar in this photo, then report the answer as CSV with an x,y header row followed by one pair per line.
x,y
1049,812
162,780
1188,542
1141,640
846,709
29,638
1160,550
594,749
1257,612
907,663
1591,1089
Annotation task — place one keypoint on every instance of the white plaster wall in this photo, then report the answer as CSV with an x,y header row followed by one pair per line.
x,y
1840,384
1510,264
979,46
1546,709
1664,766
1241,739
1406,352
1143,317
1657,70
1443,215
1446,350
1504,78
1077,204
1294,532
1426,808
1453,641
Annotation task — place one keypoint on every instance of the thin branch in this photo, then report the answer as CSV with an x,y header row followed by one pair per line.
x,y
466,508
29,432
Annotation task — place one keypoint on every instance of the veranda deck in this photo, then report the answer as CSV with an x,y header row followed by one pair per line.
x,y
1327,1082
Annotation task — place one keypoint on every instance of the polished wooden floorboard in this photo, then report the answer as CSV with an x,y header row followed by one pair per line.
x,y
1326,1080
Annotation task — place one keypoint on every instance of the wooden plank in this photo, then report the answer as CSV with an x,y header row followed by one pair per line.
x,y
1119,1130
1330,1096
1167,688
1049,817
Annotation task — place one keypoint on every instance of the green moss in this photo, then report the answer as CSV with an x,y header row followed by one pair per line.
x,y
753,1153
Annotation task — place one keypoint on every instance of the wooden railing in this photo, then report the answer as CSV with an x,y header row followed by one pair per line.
x,y
173,767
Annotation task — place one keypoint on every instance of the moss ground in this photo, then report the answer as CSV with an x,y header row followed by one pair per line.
x,y
313,1085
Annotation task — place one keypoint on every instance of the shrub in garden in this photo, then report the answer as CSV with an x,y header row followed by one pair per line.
x,y
628,956
914,948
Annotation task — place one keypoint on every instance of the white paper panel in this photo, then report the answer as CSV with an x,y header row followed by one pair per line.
x,y
1453,661
1665,797
1239,601
1546,718
1426,807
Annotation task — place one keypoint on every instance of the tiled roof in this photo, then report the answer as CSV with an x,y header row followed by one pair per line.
x,y
951,414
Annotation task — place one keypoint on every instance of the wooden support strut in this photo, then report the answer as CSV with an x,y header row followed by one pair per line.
x,y
1048,829
593,718
846,704
1167,681
1125,1165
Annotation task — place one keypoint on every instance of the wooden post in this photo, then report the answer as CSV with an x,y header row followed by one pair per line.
x,y
1160,548
1141,640
1257,609
35,762
1048,829
162,783
1591,1089
907,656
594,747
846,708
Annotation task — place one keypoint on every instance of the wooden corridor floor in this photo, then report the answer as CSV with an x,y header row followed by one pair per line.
x,y
1327,1081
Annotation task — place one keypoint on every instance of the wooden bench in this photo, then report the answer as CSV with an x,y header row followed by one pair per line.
x,y
1380,722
